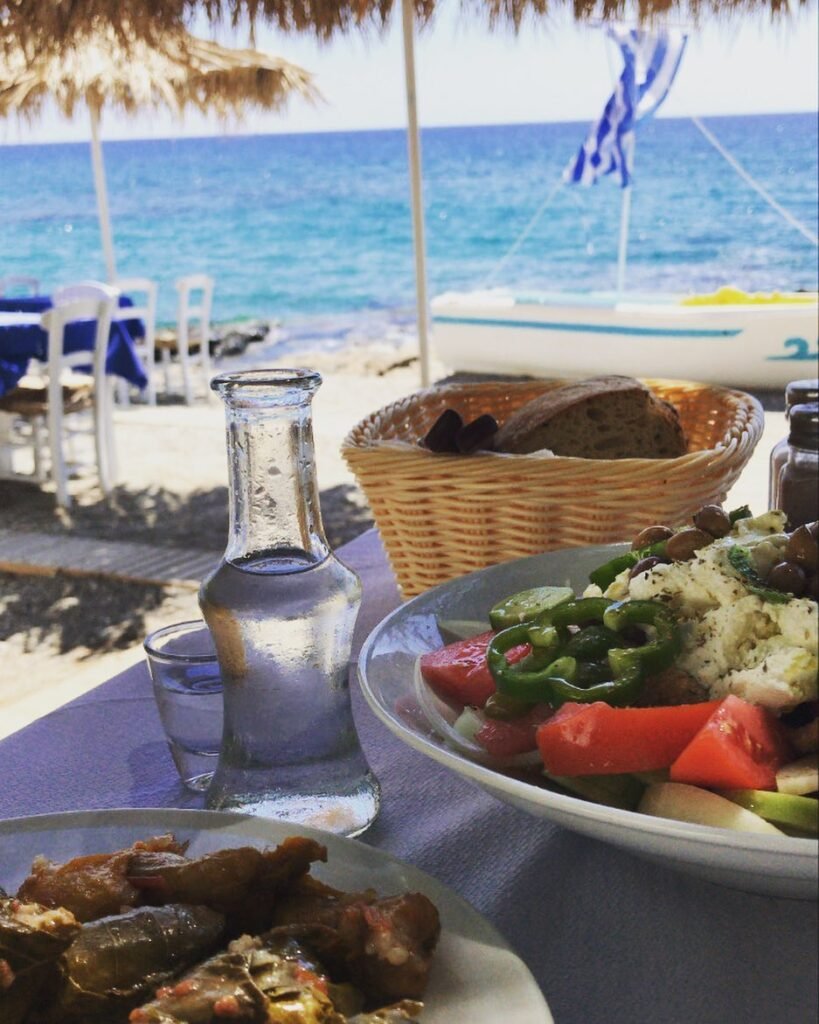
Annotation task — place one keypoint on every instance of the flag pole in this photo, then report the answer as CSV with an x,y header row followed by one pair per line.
x,y
622,248
414,147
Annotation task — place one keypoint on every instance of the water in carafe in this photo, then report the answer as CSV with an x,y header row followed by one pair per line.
x,y
282,608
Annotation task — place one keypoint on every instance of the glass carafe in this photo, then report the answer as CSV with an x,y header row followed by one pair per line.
x,y
281,608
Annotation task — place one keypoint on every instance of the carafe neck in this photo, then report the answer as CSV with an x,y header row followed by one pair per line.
x,y
275,515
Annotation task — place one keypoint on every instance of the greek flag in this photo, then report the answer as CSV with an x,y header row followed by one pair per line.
x,y
651,62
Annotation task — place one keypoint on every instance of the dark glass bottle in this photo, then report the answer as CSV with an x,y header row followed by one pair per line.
x,y
796,486
798,392
281,609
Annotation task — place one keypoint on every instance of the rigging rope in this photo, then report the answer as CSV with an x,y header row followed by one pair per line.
x,y
510,252
789,217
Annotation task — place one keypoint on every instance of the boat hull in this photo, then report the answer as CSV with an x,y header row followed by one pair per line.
x,y
756,345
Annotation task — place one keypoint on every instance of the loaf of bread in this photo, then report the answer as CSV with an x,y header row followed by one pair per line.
x,y
600,418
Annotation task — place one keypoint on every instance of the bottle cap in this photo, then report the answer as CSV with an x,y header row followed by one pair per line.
x,y
804,426
799,392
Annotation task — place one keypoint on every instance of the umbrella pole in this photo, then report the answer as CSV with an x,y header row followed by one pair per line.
x,y
102,197
414,147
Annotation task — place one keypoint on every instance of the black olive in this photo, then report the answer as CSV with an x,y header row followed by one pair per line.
x,y
712,519
802,549
787,577
644,565
650,535
802,714
686,543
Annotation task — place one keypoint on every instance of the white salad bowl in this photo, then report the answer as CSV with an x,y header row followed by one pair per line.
x,y
770,864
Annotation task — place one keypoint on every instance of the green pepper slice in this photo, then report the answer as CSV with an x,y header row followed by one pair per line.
x,y
743,512
527,605
552,676
654,656
551,628
740,559
592,642
604,575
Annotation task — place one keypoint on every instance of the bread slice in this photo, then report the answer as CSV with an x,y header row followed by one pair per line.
x,y
609,417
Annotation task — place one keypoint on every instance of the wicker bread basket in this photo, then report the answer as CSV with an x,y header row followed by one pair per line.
x,y
441,515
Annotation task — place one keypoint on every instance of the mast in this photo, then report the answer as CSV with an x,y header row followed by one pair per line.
x,y
622,248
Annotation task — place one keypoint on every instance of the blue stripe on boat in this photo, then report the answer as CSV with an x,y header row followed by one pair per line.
x,y
545,325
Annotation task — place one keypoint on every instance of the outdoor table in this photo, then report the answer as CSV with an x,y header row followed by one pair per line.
x,y
610,938
23,339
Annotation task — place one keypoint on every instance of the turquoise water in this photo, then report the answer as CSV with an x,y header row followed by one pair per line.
x,y
316,229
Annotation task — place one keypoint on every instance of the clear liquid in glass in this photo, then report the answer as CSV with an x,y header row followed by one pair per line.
x,y
190,707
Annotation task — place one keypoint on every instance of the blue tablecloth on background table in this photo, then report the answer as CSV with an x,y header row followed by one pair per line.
x,y
610,938
21,343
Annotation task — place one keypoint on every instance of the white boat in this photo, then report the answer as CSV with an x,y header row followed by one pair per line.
x,y
747,341
728,337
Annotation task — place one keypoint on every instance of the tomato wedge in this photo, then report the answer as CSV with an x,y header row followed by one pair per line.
x,y
741,746
505,738
597,739
458,673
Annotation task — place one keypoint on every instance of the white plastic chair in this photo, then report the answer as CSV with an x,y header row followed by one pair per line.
x,y
98,291
146,312
84,290
47,404
17,281
196,315
54,321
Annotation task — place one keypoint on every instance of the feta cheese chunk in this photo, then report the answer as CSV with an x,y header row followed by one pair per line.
x,y
733,640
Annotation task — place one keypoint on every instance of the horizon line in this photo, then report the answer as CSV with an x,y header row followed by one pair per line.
x,y
388,129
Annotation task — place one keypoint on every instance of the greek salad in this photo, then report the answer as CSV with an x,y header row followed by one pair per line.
x,y
682,682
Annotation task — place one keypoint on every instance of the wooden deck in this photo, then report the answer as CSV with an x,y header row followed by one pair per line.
x,y
46,554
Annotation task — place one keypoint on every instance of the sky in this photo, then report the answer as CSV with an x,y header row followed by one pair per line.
x,y
466,74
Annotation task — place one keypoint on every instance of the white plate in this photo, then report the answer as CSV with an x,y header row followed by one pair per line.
x,y
778,866
475,976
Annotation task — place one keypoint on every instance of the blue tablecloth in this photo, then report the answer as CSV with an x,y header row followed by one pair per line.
x,y
20,343
611,939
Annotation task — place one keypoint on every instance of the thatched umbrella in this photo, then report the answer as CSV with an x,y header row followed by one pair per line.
x,y
111,67
60,19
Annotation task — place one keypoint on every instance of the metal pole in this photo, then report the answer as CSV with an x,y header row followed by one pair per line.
x,y
414,147
622,249
102,198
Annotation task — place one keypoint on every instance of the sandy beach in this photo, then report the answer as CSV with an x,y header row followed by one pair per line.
x,y
62,634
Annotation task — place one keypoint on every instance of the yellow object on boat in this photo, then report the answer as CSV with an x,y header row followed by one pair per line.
x,y
728,295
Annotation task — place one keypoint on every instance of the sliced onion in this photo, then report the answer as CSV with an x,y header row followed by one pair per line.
x,y
469,722
442,718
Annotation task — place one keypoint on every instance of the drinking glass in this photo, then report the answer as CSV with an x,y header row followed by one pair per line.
x,y
188,691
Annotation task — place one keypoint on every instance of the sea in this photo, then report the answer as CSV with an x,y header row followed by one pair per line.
x,y
313,231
